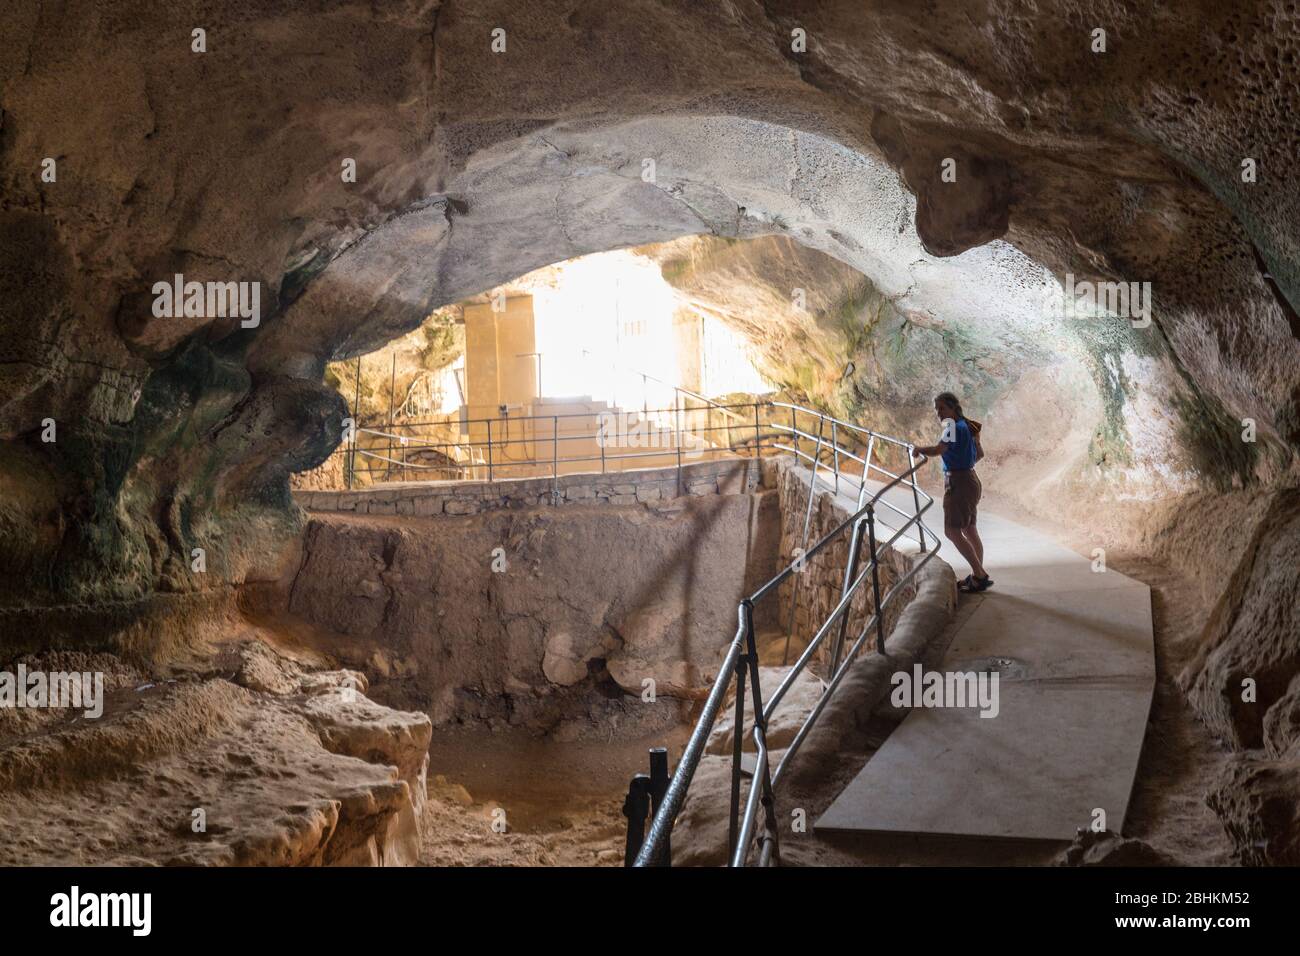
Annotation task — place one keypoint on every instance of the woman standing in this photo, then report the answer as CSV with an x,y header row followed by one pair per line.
x,y
960,447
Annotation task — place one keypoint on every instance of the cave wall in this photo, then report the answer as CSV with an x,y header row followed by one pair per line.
x,y
473,166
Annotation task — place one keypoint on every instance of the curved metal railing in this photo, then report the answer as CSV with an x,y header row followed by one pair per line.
x,y
741,659
596,440
841,456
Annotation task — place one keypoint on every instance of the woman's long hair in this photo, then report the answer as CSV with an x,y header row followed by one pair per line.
x,y
950,399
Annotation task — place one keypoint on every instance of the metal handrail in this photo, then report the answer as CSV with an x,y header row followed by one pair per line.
x,y
766,436
687,438
405,442
742,657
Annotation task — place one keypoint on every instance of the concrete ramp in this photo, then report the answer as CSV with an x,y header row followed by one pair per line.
x,y
1075,657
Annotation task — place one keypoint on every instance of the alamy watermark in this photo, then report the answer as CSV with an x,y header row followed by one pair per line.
x,y
208,300
82,691
920,688
631,430
1090,300
133,911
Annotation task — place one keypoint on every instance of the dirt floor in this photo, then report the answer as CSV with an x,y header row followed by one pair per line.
x,y
562,800
1179,756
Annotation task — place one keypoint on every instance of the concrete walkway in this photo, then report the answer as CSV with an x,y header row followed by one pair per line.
x,y
1075,656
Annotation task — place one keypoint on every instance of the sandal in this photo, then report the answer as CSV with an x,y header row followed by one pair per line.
x,y
974,585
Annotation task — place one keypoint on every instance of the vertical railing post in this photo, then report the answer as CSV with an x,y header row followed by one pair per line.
x,y
850,574
875,581
489,446
737,747
658,787
916,496
555,457
392,396
758,443
794,433
807,526
356,423
866,471
677,414
760,721
635,807
835,454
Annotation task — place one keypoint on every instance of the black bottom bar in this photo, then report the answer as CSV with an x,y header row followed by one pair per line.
x,y
931,906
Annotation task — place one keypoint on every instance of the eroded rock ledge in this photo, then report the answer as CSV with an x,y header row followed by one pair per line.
x,y
258,762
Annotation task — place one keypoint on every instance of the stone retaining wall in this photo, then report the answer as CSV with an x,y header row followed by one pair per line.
x,y
818,587
434,498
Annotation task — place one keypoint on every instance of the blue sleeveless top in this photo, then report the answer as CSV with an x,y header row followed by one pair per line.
x,y
960,455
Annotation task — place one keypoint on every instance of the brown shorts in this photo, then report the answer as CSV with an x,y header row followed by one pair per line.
x,y
961,498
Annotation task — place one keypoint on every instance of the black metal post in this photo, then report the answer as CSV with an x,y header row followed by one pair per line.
x,y
768,798
636,807
659,779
